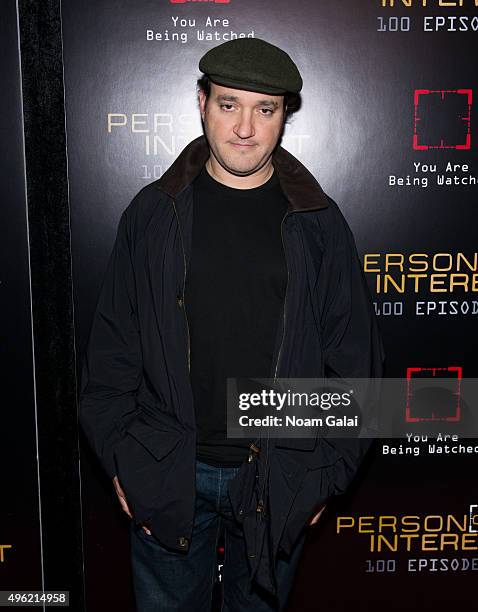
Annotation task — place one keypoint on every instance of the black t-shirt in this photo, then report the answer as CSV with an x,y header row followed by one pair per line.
x,y
235,288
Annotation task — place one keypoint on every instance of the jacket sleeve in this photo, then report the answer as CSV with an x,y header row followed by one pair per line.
x,y
112,368
352,345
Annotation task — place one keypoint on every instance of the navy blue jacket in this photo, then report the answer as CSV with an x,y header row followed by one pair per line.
x,y
136,403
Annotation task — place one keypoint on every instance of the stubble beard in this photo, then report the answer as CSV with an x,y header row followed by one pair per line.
x,y
233,167
231,163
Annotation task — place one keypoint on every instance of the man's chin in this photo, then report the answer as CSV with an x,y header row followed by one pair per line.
x,y
242,170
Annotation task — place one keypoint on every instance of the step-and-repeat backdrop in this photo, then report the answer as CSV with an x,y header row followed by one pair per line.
x,y
387,126
21,534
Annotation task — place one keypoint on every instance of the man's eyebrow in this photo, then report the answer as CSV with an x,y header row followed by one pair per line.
x,y
268,103
227,98
231,98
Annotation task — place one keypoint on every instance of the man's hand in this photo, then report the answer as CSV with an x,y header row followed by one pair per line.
x,y
123,502
121,496
316,517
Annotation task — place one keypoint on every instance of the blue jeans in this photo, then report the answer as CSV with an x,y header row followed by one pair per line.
x,y
169,580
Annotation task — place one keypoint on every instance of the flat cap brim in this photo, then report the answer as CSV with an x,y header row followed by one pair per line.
x,y
252,64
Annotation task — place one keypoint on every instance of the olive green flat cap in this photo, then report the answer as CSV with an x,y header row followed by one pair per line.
x,y
252,64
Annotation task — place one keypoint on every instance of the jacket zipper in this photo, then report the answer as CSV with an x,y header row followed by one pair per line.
x,y
184,286
261,501
285,297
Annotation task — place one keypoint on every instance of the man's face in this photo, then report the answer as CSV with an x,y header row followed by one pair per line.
x,y
242,127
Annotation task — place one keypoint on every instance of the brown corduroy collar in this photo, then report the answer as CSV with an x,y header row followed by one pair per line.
x,y
299,186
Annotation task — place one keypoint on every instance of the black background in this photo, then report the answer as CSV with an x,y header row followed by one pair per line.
x,y
91,58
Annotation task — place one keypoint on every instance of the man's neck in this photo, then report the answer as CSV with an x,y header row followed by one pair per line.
x,y
239,182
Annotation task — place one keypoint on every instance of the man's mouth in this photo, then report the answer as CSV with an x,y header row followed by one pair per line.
x,y
243,145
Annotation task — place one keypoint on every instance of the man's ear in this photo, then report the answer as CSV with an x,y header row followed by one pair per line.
x,y
284,118
202,103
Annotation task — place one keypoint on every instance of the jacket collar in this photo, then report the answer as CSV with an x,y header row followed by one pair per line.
x,y
299,186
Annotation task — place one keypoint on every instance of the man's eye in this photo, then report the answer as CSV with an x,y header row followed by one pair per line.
x,y
227,107
266,111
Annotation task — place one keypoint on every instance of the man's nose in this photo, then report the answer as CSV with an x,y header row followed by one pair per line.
x,y
245,126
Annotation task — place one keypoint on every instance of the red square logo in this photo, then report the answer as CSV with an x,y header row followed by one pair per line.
x,y
442,119
443,407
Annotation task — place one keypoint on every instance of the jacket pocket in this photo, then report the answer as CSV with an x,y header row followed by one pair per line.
x,y
159,442
315,489
147,458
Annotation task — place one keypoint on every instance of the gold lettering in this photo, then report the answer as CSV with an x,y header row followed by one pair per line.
x,y
414,522
444,3
425,3
365,521
461,526
416,278
417,264
408,539
435,280
387,522
458,280
2,547
472,266
431,518
448,257
348,522
368,261
427,542
388,280
465,545
449,539
389,263
391,544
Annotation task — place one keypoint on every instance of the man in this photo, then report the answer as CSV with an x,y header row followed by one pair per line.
x,y
234,264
